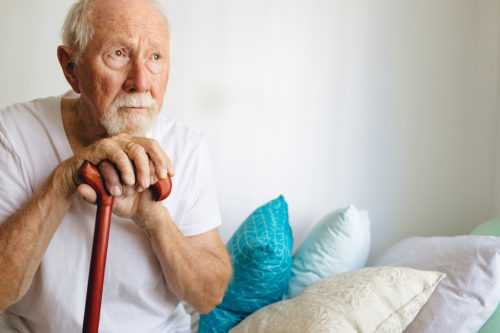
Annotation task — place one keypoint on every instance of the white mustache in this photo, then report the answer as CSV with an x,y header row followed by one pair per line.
x,y
135,100
117,121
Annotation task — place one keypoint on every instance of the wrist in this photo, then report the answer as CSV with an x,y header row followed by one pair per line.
x,y
153,221
64,178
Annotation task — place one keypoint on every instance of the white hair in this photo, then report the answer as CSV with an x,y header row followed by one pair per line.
x,y
78,27
120,120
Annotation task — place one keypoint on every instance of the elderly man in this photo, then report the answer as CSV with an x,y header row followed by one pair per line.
x,y
116,58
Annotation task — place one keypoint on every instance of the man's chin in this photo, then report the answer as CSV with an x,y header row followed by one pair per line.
x,y
138,126
131,130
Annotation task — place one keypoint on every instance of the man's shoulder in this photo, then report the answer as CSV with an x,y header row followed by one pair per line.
x,y
170,129
31,110
25,126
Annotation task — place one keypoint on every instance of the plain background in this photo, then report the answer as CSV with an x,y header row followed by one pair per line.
x,y
389,105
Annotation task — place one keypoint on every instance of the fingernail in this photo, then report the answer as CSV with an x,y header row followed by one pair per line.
x,y
139,188
116,191
130,180
152,180
164,173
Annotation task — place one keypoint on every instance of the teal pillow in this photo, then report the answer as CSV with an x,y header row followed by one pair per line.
x,y
261,255
340,242
490,228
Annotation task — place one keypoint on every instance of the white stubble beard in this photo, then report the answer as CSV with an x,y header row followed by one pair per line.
x,y
120,120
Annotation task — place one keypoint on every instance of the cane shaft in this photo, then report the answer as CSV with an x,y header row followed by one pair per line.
x,y
97,267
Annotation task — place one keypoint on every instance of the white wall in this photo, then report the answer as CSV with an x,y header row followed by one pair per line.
x,y
390,105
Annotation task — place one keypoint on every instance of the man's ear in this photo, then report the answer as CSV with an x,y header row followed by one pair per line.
x,y
66,60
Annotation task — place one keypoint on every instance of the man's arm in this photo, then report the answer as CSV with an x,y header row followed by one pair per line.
x,y
196,268
25,236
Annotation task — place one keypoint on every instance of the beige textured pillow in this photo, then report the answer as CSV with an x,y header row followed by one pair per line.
x,y
374,299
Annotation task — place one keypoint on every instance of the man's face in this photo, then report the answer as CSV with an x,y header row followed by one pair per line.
x,y
123,72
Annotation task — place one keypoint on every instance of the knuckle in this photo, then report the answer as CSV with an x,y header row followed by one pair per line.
x,y
123,136
137,150
154,147
153,143
117,156
104,144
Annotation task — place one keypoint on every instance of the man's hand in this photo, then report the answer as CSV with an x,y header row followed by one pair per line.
x,y
129,165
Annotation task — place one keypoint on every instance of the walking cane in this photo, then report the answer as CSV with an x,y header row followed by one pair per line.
x,y
90,175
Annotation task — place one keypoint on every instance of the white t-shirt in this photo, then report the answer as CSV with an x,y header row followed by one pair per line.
x,y
135,297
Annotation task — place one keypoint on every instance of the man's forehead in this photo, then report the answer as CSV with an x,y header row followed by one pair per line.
x,y
128,16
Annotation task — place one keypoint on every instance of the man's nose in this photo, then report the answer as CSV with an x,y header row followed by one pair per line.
x,y
138,79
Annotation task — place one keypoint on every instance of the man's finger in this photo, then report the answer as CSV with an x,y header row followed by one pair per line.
x,y
87,192
111,178
138,154
161,161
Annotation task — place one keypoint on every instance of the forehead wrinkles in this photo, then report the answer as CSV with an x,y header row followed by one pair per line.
x,y
143,23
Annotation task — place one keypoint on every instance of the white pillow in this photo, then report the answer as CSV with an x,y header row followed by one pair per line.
x,y
339,242
470,293
375,299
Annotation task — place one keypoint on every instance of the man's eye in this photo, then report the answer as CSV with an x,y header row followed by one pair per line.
x,y
156,56
118,53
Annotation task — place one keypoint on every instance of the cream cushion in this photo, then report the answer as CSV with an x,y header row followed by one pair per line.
x,y
374,299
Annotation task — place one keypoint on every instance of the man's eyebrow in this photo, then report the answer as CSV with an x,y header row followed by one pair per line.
x,y
127,43
157,44
117,41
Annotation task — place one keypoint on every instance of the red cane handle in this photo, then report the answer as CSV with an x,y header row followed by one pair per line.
x,y
161,189
90,175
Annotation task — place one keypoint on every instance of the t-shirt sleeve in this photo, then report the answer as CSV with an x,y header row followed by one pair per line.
x,y
202,210
14,184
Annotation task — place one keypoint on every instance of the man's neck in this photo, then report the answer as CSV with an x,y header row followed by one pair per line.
x,y
79,126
